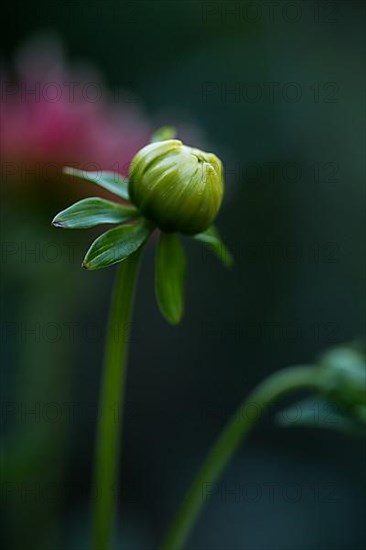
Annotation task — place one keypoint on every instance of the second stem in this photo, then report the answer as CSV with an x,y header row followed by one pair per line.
x,y
232,436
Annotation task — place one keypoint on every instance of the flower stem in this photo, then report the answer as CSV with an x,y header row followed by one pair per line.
x,y
107,455
233,434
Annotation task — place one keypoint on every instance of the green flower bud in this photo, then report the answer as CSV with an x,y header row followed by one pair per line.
x,y
177,187
342,373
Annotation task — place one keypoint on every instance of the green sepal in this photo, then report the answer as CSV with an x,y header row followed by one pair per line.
x,y
111,181
170,270
93,211
317,412
163,133
116,245
212,240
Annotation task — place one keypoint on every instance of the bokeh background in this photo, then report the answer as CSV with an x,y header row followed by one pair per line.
x,y
277,89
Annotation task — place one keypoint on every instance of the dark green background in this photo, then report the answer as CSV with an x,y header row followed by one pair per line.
x,y
297,286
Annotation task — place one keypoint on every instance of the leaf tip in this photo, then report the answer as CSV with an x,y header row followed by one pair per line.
x,y
68,171
174,318
164,133
174,321
57,223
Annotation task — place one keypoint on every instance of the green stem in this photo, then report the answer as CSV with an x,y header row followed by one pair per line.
x,y
108,439
233,434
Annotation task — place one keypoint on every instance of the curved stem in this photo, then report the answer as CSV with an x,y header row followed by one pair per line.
x,y
233,434
107,455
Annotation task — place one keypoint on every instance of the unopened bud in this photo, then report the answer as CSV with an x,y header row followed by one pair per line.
x,y
177,187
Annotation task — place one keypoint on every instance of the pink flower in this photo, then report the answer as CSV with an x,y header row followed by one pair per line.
x,y
53,115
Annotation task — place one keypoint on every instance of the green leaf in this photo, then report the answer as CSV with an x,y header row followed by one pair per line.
x,y
111,181
116,245
170,269
164,133
211,239
93,211
317,412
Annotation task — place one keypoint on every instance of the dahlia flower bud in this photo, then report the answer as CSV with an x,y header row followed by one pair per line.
x,y
177,187
342,372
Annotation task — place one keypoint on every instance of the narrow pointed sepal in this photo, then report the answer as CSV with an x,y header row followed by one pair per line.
x,y
170,270
318,412
111,181
93,211
116,245
212,240
164,133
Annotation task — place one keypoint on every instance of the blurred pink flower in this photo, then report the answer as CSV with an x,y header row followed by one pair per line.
x,y
54,115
